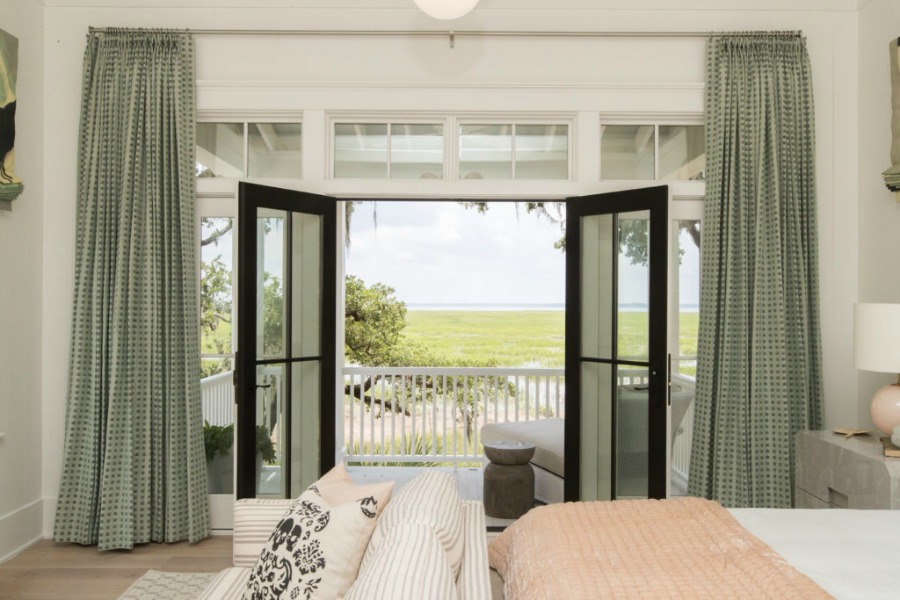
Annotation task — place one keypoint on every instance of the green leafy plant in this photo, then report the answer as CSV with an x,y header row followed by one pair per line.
x,y
264,446
218,440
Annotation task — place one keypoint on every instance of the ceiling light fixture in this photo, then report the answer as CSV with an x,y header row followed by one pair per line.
x,y
446,9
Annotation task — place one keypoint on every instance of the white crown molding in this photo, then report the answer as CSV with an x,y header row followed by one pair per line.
x,y
227,115
327,86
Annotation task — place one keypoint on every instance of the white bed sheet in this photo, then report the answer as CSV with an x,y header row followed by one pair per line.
x,y
852,554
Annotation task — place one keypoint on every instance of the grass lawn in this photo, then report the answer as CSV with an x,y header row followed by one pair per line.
x,y
523,338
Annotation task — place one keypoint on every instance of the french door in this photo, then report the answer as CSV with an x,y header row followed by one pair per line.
x,y
616,355
285,364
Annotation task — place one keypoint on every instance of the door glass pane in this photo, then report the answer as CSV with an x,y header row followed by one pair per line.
x,y
270,430
305,393
632,436
634,285
688,294
270,311
596,431
220,150
485,152
542,152
417,151
682,152
360,150
216,251
274,149
684,367
596,285
216,387
306,295
626,152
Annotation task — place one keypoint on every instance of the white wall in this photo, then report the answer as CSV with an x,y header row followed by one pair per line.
x,y
571,75
879,211
20,294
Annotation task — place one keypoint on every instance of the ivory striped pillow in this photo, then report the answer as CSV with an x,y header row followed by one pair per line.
x,y
431,499
410,564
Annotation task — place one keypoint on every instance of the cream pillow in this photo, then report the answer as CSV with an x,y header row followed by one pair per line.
x,y
409,565
316,549
336,488
431,499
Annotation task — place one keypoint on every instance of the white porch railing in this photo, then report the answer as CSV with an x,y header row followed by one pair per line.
x,y
391,424
435,414
217,397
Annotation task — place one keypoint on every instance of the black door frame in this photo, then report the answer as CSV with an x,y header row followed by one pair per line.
x,y
251,197
654,199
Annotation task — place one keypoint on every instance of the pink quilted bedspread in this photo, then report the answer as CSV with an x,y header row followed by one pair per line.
x,y
678,548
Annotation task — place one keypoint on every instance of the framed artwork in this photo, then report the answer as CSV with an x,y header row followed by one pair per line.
x,y
10,185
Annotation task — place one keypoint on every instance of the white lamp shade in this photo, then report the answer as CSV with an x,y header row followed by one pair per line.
x,y
446,9
877,338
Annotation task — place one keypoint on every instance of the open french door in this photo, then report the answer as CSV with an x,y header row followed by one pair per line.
x,y
616,358
285,364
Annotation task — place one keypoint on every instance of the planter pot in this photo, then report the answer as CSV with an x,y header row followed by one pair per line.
x,y
220,474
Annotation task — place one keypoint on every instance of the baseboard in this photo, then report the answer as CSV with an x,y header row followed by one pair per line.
x,y
49,516
20,529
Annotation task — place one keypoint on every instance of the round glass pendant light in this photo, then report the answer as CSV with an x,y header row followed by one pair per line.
x,y
446,9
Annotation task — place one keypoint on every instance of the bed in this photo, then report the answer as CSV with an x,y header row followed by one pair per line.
x,y
694,548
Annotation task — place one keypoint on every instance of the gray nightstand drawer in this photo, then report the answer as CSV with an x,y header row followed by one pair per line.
x,y
834,472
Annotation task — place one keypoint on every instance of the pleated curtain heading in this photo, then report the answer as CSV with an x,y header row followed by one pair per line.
x,y
133,468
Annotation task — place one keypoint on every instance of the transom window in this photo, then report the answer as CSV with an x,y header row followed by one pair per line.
x,y
652,151
389,150
477,150
247,149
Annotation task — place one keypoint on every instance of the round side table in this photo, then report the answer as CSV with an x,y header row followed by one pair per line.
x,y
508,479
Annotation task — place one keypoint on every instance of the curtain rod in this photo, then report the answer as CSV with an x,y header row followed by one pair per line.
x,y
466,33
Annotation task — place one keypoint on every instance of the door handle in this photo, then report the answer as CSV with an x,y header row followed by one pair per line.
x,y
268,385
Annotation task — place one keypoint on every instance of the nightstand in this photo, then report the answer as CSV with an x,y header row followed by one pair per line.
x,y
837,472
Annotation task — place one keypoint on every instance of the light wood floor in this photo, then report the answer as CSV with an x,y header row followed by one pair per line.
x,y
51,570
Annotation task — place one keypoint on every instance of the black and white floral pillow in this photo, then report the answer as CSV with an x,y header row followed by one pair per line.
x,y
314,551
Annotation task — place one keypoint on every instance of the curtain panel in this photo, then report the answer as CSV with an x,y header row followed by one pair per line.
x,y
759,350
134,469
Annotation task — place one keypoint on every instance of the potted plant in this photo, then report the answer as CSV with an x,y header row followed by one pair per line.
x,y
218,442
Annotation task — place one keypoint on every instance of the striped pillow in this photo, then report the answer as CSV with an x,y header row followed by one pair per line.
x,y
431,499
410,564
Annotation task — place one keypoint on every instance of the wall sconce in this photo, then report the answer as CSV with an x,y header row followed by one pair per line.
x,y
446,9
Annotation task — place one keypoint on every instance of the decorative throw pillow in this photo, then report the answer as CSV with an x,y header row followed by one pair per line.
x,y
336,488
431,498
315,550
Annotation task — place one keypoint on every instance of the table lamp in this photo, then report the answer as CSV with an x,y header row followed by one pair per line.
x,y
877,348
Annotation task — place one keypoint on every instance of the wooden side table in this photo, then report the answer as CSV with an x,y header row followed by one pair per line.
x,y
837,472
508,479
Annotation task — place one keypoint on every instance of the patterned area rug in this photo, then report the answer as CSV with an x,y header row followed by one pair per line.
x,y
168,586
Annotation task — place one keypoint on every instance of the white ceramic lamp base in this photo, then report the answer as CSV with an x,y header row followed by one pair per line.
x,y
886,408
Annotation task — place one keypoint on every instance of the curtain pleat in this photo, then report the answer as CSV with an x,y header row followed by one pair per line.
x,y
759,349
133,468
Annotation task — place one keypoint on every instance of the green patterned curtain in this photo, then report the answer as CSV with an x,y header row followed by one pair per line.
x,y
759,368
133,468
